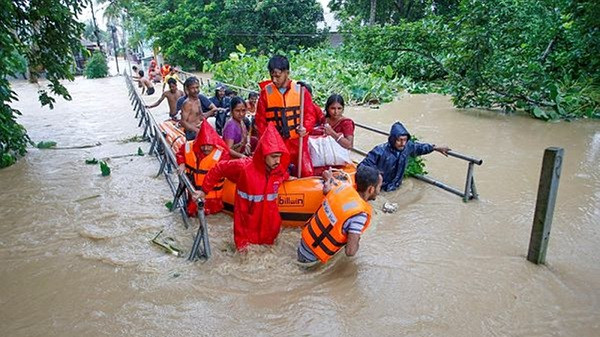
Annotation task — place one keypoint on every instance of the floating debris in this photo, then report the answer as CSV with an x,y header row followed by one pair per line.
x,y
104,168
390,207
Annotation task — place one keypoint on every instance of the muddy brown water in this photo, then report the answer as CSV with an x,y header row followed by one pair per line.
x,y
76,258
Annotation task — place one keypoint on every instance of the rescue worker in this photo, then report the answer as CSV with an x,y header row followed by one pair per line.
x,y
256,218
391,158
279,102
196,158
343,216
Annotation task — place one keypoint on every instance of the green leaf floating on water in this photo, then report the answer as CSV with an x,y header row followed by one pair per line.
x,y
140,152
104,168
46,144
92,161
169,205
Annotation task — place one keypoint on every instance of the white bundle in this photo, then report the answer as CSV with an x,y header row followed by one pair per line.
x,y
325,151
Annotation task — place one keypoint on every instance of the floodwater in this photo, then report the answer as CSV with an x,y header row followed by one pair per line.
x,y
76,257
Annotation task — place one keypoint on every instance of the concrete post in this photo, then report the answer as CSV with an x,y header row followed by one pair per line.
x,y
544,207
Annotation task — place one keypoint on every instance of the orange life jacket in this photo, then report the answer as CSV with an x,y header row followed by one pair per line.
x,y
323,234
199,170
284,111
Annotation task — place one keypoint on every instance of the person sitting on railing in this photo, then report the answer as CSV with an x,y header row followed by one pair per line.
x,y
256,218
172,95
235,133
196,158
222,103
343,216
334,123
391,158
147,86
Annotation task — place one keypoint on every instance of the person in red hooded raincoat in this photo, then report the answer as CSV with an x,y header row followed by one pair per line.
x,y
279,102
196,158
256,217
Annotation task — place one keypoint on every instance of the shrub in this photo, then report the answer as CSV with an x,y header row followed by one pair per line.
x,y
97,66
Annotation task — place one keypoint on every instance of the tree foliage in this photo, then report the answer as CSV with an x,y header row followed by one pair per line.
x,y
190,32
390,11
539,56
46,34
97,66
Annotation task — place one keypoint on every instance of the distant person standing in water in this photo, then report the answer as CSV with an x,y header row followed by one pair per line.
x,y
147,85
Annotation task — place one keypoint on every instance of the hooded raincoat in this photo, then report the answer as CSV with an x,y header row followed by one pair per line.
x,y
392,162
256,217
206,136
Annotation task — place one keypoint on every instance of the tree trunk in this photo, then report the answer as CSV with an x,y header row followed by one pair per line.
x,y
96,31
373,12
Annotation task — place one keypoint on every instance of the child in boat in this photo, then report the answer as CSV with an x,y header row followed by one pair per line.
x,y
198,157
256,218
235,133
344,215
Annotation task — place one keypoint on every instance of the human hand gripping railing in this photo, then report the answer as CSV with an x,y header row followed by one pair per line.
x,y
470,191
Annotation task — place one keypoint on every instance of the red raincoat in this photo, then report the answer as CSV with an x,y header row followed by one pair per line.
x,y
206,135
310,119
256,217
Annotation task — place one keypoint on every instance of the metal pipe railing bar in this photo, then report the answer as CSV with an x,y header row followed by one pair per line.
x,y
450,153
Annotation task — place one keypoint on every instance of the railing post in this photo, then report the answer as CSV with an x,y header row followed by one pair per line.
x,y
468,183
544,207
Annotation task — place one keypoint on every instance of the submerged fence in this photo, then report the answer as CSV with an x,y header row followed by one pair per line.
x,y
179,183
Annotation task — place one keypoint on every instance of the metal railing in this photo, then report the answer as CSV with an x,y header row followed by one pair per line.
x,y
209,82
168,166
470,191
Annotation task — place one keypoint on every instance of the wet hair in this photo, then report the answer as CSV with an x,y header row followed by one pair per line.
x,y
366,176
306,85
141,73
235,101
191,81
252,94
228,92
335,98
278,62
172,81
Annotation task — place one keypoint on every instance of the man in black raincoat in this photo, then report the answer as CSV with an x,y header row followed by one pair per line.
x,y
391,158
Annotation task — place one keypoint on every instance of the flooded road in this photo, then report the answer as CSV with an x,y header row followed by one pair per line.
x,y
76,258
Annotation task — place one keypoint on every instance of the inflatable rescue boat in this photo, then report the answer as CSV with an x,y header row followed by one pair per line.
x,y
298,199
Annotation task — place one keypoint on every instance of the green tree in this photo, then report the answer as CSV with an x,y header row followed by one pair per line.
x,y
97,66
390,11
191,32
46,34
538,56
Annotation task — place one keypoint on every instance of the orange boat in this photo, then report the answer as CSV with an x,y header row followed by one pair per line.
x,y
298,199
174,134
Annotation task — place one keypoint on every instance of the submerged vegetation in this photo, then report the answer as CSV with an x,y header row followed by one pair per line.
x,y
96,67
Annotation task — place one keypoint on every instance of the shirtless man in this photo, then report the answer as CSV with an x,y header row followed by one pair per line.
x,y
146,84
172,95
191,112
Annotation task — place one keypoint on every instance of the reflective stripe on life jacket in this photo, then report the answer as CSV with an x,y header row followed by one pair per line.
x,y
324,232
284,111
199,170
